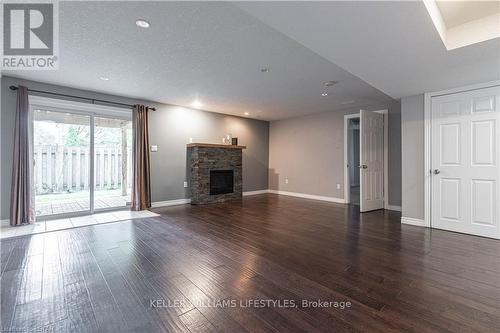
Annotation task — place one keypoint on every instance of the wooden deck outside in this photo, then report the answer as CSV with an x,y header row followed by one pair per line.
x,y
65,206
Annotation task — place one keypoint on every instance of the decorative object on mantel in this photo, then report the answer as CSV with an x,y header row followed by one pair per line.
x,y
214,172
227,139
234,142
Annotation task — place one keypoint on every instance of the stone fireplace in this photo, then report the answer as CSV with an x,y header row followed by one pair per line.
x,y
214,172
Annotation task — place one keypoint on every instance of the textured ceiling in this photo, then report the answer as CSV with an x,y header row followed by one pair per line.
x,y
212,52
391,45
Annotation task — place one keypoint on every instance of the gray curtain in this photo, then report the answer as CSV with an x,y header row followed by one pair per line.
x,y
141,184
22,210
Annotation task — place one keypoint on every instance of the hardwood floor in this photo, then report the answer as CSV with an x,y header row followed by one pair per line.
x,y
197,268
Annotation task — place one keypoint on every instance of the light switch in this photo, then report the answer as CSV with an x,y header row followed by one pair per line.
x,y
154,148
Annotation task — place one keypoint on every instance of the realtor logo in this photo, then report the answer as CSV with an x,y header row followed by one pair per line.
x,y
29,36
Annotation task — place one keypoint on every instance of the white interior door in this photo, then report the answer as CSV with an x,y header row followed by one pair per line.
x,y
372,161
465,162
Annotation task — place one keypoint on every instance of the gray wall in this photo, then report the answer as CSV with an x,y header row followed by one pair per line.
x,y
412,141
170,129
309,151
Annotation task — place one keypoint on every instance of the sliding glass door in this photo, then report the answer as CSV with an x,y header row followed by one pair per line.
x,y
61,154
112,162
82,162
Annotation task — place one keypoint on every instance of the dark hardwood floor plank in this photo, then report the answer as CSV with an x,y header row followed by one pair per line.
x,y
6,246
10,282
41,312
107,314
121,299
19,254
160,318
231,317
196,322
81,316
30,287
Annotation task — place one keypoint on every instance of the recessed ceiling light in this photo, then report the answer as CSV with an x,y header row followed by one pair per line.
x,y
330,83
246,113
196,104
142,23
264,70
104,78
324,94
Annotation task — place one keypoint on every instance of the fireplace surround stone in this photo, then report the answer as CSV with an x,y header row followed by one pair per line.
x,y
203,158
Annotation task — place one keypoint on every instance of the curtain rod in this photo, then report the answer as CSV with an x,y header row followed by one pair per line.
x,y
79,97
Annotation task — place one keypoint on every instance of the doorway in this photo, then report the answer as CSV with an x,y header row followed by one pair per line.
x,y
366,159
353,161
82,157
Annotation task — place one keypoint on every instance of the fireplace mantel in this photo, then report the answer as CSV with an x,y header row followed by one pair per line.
x,y
215,145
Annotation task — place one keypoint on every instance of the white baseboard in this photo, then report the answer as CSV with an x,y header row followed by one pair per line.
x,y
245,194
413,221
395,208
175,202
308,196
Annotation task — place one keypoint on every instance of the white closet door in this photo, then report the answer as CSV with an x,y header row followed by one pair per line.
x,y
465,162
372,161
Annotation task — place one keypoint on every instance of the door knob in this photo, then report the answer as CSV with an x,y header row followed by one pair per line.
x,y
363,166
437,171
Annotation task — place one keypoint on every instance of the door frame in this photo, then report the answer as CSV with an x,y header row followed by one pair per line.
x,y
428,140
347,192
91,110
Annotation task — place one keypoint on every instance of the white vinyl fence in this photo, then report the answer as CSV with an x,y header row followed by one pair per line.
x,y
67,169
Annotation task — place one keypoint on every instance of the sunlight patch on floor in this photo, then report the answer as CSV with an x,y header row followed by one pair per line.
x,y
74,222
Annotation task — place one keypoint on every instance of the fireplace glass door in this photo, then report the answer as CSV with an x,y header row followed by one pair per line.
x,y
221,181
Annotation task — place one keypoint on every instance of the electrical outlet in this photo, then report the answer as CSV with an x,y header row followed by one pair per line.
x,y
154,148
185,184
338,186
286,180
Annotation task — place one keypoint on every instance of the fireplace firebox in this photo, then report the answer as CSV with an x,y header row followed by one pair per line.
x,y
221,181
